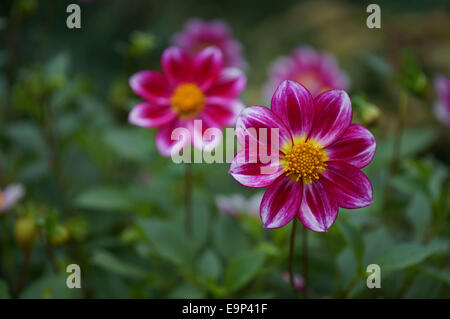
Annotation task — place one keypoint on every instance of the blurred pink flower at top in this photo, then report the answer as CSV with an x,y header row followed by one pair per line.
x,y
188,89
10,196
317,71
299,283
236,204
198,34
442,106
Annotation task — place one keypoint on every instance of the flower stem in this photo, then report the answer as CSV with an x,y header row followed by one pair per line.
x,y
305,260
188,198
291,257
399,130
23,275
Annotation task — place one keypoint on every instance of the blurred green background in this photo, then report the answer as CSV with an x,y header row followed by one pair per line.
x,y
99,195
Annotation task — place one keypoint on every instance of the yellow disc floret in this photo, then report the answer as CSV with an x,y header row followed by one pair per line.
x,y
304,160
187,100
1,197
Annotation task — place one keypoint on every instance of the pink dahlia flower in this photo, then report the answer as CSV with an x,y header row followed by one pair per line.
x,y
316,167
442,107
314,70
10,196
188,89
198,34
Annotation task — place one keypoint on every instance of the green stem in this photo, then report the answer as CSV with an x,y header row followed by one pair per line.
x,y
188,198
403,103
291,257
23,275
305,260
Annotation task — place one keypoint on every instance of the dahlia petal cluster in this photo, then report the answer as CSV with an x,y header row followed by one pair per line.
x,y
188,89
316,168
198,34
442,106
316,71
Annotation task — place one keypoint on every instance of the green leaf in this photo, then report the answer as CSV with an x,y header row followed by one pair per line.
x,y
186,291
4,294
209,265
168,241
229,238
111,263
419,214
353,238
442,275
131,143
405,255
242,269
105,198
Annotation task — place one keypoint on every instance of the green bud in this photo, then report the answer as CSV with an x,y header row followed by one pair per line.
x,y
25,232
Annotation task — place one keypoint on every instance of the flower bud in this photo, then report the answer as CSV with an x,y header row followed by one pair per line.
x,y
25,232
59,236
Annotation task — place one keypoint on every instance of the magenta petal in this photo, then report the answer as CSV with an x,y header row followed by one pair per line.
x,y
207,66
281,202
176,65
294,105
253,120
222,111
151,85
357,147
230,83
251,172
333,116
351,187
164,142
319,208
146,114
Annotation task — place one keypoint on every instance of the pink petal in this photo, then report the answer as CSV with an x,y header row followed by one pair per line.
x,y
151,85
177,66
293,103
205,134
281,202
222,111
351,187
230,83
146,114
319,208
253,120
357,147
248,170
333,116
207,66
164,142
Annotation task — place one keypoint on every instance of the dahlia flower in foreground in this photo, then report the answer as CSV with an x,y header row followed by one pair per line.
x,y
198,34
10,196
317,166
188,89
442,107
315,70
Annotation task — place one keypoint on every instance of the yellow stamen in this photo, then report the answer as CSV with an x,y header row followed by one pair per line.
x,y
187,100
2,197
304,160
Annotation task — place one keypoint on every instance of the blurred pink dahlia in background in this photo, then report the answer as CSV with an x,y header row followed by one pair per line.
x,y
442,106
188,89
10,196
198,34
236,204
317,71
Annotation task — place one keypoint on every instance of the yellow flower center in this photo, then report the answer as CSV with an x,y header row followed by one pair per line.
x,y
187,100
1,197
304,160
